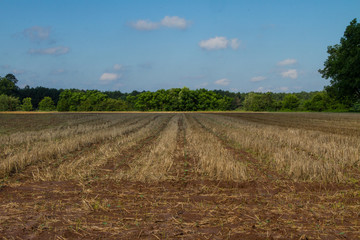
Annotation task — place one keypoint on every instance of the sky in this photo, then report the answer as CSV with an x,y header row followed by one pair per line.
x,y
127,45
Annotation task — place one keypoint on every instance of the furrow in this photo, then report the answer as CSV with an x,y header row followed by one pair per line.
x,y
154,164
299,154
46,151
214,159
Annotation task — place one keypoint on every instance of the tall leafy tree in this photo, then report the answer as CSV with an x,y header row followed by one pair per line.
x,y
259,102
9,103
8,85
343,65
47,104
27,105
291,102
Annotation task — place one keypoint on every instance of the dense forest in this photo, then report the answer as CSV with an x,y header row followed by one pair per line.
x,y
13,98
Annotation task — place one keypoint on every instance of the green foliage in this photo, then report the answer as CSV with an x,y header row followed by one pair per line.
x,y
91,100
9,103
317,103
175,99
342,65
8,85
180,99
27,105
290,102
38,93
322,101
63,103
47,104
260,102
355,107
110,104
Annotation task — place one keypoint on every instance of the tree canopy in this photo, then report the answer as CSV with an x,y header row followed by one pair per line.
x,y
47,104
174,99
8,85
343,65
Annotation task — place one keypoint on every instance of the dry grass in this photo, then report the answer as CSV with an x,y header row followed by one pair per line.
x,y
298,153
58,143
154,164
214,160
90,162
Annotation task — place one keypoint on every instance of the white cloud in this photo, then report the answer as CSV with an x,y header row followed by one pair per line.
x,y
109,77
144,25
174,22
167,22
50,51
223,82
37,33
219,43
291,73
258,79
118,67
286,62
214,43
234,43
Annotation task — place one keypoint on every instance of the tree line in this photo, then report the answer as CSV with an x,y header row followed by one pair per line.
x,y
13,98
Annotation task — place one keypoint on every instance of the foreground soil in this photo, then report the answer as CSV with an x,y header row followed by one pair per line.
x,y
186,206
179,209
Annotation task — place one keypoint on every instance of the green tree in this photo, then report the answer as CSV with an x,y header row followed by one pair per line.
x,y
342,65
27,105
290,102
322,101
38,93
186,100
91,100
8,85
47,104
259,102
110,104
9,103
144,101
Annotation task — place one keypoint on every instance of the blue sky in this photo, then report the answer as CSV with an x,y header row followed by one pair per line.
x,y
149,45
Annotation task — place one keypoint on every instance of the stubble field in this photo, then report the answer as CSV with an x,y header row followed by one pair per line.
x,y
180,176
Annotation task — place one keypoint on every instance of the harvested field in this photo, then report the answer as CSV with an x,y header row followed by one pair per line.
x,y
180,176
